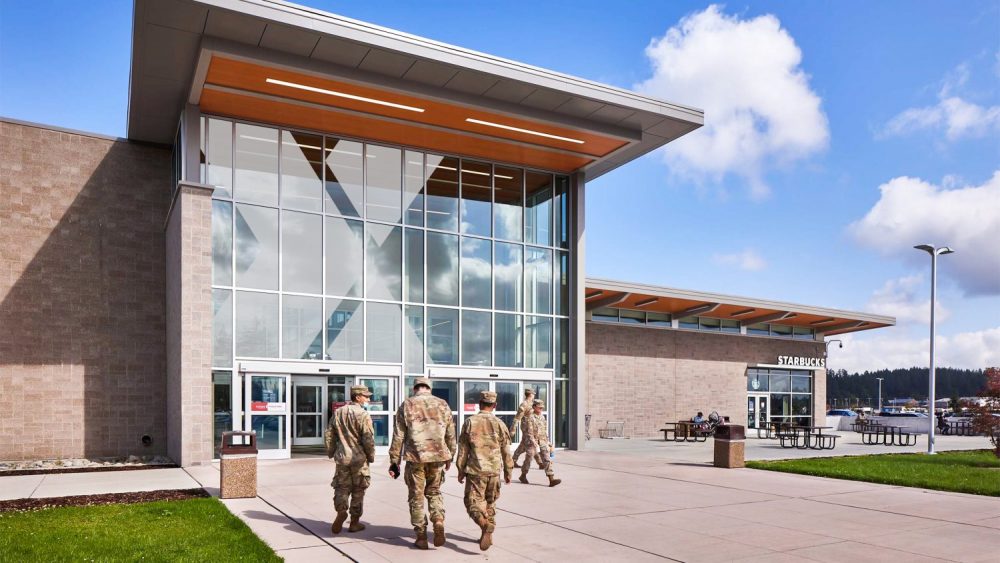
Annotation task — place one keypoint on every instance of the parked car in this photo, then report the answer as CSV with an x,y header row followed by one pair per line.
x,y
841,412
905,414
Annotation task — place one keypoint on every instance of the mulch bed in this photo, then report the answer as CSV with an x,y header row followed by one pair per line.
x,y
24,504
86,469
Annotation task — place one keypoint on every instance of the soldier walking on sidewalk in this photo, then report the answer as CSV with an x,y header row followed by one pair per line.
x,y
350,441
536,440
483,451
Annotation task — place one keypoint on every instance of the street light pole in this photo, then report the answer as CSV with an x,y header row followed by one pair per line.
x,y
879,411
934,252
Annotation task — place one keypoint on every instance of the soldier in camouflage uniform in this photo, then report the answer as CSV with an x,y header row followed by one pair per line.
x,y
483,450
537,444
424,436
523,411
350,441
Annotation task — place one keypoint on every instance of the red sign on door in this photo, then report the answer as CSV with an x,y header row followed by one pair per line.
x,y
470,407
258,406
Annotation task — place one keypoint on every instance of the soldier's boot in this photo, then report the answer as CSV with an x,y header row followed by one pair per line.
x,y
338,523
486,539
553,481
524,478
421,542
356,525
516,464
439,537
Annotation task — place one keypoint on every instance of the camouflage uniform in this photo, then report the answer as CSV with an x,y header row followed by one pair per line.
x,y
483,451
537,445
523,411
351,441
423,436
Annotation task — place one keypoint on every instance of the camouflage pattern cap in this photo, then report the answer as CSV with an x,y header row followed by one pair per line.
x,y
360,390
538,403
529,392
422,381
488,397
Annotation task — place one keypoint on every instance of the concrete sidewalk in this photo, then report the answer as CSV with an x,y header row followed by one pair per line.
x,y
94,483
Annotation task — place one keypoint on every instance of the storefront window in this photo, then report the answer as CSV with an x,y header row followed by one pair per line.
x,y
413,188
344,177
442,336
538,209
256,324
414,339
345,329
508,345
219,171
476,344
222,327
627,316
605,314
222,243
442,192
256,247
256,160
538,280
477,188
442,268
384,247
344,257
384,332
302,327
301,252
413,275
759,330
222,405
383,184
508,209
507,277
538,342
477,260
301,171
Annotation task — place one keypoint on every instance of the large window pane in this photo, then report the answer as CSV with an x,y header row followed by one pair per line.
x,y
442,336
413,287
628,316
302,252
508,344
383,187
442,268
477,260
476,338
384,332
345,330
222,243
222,327
781,330
413,338
759,330
442,192
220,157
780,382
538,280
301,171
507,277
413,188
344,257
801,405
477,182
538,208
604,314
538,342
562,347
561,212
256,164
256,247
256,325
508,211
801,384
222,405
561,414
302,327
344,177
562,283
270,431
384,262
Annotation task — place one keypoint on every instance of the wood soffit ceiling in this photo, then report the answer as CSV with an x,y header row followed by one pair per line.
x,y
237,88
673,306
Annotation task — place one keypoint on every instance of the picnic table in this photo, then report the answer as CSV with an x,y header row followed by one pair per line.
x,y
807,437
772,428
888,435
684,431
958,428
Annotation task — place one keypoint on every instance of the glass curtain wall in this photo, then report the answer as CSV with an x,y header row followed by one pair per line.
x,y
789,393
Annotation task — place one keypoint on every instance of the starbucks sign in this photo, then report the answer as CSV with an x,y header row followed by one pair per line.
x,y
801,362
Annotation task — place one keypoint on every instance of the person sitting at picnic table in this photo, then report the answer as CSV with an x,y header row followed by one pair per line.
x,y
698,418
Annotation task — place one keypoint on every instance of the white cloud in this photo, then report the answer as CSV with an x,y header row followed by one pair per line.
x,y
885,349
746,75
907,299
747,260
911,211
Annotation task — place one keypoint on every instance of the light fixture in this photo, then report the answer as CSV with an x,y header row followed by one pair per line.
x,y
520,130
823,321
645,302
743,312
342,95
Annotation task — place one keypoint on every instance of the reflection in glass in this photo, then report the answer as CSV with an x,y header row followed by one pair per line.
x,y
561,212
256,325
538,280
627,316
220,157
222,327
302,327
413,338
562,283
256,247
561,337
380,394
301,171
445,390
302,252
688,322
758,330
508,208
561,414
757,380
508,351
442,336
256,164
413,275
476,338
413,188
732,327
541,391
507,395
538,209
345,330
661,320
477,260
507,277
801,384
344,177
222,405
781,405
222,243
538,342
383,184
307,398
477,184
781,330
470,397
801,404
306,425
384,261
442,192
604,314
380,424
270,429
385,322
706,323
344,257
780,382
442,268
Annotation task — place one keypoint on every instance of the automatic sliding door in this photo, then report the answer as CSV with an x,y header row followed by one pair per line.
x,y
381,408
268,414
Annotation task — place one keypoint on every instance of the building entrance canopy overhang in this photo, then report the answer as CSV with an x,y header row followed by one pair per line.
x,y
288,65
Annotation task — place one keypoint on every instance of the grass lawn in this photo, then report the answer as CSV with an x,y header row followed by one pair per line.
x,y
976,471
181,530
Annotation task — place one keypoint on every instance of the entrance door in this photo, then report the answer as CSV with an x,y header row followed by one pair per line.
x,y
307,410
757,411
382,408
509,397
268,415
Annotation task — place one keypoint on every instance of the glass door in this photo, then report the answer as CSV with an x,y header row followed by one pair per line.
x,y
757,411
268,414
307,411
509,397
382,408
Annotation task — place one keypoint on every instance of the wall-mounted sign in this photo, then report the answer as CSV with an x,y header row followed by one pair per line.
x,y
470,407
264,406
802,362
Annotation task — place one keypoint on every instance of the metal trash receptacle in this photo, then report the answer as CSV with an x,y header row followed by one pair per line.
x,y
238,465
730,446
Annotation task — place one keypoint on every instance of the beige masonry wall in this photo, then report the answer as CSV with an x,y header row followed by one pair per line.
x,y
647,376
82,357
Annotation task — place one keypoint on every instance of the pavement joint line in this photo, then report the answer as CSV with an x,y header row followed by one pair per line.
x,y
33,491
884,511
299,524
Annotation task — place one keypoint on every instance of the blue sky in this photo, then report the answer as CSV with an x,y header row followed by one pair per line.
x,y
900,92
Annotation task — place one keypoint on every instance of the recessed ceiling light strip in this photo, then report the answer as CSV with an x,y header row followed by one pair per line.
x,y
519,130
342,95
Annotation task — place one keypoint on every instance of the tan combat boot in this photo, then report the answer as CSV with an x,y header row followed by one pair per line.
x,y
356,525
439,534
338,523
553,481
486,539
523,478
421,542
